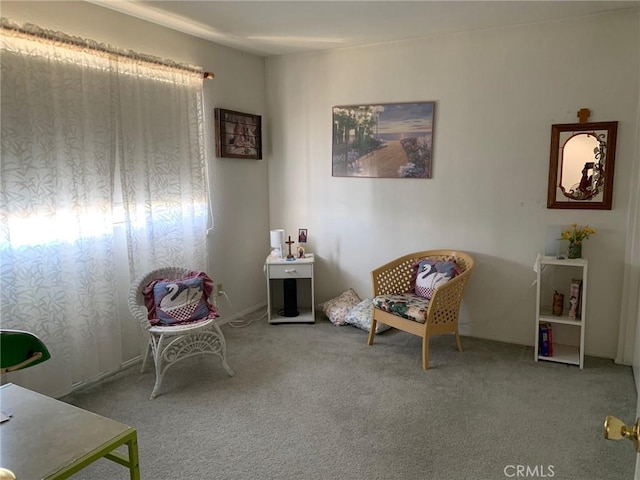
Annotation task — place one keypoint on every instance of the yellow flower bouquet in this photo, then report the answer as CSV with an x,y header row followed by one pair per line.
x,y
575,236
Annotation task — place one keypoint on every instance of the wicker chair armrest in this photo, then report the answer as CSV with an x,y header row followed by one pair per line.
x,y
391,278
446,299
138,310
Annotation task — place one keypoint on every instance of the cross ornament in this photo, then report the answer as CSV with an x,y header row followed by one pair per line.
x,y
290,255
583,115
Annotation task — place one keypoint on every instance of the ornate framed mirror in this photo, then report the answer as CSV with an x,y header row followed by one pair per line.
x,y
581,165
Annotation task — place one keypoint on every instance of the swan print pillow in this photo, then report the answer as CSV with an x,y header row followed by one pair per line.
x,y
432,274
180,301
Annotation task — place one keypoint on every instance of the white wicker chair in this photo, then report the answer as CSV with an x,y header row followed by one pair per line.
x,y
170,344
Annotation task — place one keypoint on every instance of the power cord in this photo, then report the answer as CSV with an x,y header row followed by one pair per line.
x,y
244,322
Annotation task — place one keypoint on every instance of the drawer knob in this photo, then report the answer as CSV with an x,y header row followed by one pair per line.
x,y
289,270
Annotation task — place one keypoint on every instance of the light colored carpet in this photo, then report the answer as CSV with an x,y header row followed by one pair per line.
x,y
314,402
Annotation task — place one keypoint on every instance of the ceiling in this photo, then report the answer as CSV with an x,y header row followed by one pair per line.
x,y
271,27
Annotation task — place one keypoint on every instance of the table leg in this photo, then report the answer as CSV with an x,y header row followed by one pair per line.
x,y
134,464
131,460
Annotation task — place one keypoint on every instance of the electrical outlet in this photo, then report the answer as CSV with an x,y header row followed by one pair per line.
x,y
219,289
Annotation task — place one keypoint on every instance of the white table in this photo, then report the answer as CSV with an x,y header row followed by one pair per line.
x,y
301,270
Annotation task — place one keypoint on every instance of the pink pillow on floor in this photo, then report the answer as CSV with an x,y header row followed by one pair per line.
x,y
337,308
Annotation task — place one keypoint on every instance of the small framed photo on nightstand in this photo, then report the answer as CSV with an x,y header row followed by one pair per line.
x,y
302,235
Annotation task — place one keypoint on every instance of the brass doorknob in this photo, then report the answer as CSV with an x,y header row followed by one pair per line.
x,y
6,474
615,429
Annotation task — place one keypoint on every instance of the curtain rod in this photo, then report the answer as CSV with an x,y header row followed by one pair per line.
x,y
37,32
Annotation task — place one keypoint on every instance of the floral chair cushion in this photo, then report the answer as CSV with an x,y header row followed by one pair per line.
x,y
405,305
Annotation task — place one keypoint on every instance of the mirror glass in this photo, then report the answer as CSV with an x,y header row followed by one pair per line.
x,y
582,162
581,165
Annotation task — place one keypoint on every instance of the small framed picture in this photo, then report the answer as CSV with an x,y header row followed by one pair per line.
x,y
302,235
238,135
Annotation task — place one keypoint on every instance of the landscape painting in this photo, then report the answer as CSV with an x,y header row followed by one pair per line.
x,y
392,140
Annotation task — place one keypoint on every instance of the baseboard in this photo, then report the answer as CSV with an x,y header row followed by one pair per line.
x,y
130,362
123,366
241,314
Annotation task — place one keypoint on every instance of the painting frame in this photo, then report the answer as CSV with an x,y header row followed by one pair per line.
x,y
238,134
383,140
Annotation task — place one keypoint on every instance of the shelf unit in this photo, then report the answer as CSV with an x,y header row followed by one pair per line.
x,y
553,275
301,269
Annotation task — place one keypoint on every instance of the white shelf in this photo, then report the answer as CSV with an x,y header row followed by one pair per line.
x,y
563,354
563,319
567,262
553,275
306,315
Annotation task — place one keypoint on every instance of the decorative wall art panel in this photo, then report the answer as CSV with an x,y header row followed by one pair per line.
x,y
385,140
238,135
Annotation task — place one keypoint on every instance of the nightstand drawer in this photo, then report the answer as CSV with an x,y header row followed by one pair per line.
x,y
291,271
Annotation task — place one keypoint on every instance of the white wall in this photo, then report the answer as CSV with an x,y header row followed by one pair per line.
x,y
239,187
497,94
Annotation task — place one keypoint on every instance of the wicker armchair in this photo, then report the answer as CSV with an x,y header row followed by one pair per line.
x,y
170,344
440,314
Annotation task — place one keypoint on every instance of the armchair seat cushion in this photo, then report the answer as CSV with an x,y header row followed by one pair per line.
x,y
405,305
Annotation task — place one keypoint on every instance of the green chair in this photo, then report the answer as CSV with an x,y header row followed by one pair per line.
x,y
20,350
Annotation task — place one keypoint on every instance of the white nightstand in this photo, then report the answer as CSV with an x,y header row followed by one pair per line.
x,y
301,270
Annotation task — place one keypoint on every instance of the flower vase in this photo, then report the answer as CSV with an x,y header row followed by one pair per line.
x,y
575,250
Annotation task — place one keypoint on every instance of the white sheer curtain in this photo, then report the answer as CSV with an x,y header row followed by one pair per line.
x,y
56,239
83,131
162,166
